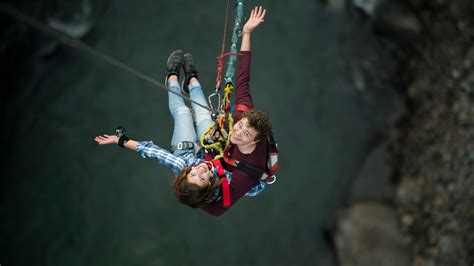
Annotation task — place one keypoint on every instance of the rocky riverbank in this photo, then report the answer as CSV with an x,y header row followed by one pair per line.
x,y
436,150
433,151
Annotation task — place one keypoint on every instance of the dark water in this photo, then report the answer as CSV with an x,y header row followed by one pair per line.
x,y
67,201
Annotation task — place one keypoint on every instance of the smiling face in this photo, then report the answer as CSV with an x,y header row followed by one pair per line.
x,y
243,133
200,175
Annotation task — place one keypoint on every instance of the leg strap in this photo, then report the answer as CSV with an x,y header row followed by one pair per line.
x,y
182,146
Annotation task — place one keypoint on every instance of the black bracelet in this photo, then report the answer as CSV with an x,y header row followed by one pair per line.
x,y
120,132
122,140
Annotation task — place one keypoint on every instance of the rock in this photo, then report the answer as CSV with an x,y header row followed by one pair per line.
x,y
374,179
335,4
407,220
368,233
72,18
397,22
436,191
368,6
452,251
408,191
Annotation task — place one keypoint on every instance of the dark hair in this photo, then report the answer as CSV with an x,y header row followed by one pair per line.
x,y
259,121
191,194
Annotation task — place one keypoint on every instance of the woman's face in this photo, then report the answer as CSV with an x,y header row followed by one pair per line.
x,y
242,134
200,175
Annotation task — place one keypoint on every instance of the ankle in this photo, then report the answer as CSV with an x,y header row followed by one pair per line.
x,y
173,77
192,80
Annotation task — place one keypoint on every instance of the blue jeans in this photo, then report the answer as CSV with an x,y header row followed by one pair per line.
x,y
185,128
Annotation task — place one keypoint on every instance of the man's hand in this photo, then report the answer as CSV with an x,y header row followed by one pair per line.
x,y
256,17
106,139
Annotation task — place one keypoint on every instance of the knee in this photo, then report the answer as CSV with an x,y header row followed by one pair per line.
x,y
202,114
179,109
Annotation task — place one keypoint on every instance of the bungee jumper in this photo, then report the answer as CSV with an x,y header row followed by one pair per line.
x,y
212,178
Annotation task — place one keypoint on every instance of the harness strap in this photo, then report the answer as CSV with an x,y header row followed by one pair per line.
x,y
226,192
247,168
241,107
220,169
225,183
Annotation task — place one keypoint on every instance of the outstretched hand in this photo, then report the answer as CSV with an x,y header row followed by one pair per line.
x,y
106,139
256,17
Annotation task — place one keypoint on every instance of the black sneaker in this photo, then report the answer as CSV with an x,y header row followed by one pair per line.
x,y
173,64
190,71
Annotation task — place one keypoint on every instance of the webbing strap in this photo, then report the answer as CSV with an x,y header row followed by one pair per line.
x,y
241,107
247,168
220,169
226,192
225,183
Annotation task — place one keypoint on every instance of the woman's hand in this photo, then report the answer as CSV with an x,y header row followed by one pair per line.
x,y
256,17
106,139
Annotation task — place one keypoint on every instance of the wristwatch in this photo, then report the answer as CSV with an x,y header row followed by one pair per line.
x,y
120,132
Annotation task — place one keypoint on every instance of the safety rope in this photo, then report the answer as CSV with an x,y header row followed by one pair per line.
x,y
220,58
20,16
216,137
236,33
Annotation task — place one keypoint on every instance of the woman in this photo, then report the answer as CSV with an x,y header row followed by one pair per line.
x,y
197,183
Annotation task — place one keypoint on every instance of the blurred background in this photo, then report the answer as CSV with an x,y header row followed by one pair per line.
x,y
370,100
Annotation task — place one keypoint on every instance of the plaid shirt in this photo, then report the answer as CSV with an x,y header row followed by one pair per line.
x,y
166,158
177,163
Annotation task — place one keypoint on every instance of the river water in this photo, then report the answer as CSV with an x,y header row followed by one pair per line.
x,y
67,201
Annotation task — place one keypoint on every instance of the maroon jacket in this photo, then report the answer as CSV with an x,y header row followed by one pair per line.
x,y
241,181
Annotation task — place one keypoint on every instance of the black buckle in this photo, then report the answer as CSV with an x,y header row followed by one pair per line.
x,y
119,131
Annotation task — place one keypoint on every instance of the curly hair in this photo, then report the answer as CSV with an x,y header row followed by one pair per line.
x,y
191,194
259,121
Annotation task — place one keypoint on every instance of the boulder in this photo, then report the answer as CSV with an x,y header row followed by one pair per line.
x,y
367,234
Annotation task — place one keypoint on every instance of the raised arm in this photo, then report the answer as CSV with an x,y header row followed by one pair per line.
x,y
256,17
242,93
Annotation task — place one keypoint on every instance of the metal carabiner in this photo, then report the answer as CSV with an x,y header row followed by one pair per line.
x,y
274,179
209,99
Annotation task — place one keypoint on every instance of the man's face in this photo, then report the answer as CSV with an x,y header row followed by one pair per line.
x,y
200,175
242,134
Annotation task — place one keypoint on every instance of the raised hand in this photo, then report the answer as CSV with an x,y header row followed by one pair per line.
x,y
256,17
106,139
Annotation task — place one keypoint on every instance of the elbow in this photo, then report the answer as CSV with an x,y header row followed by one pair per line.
x,y
218,213
215,212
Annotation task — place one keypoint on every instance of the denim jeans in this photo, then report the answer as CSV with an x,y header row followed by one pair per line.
x,y
185,127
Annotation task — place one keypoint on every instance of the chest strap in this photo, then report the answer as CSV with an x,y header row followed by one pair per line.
x,y
247,168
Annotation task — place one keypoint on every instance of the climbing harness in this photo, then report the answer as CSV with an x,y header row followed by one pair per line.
x,y
266,175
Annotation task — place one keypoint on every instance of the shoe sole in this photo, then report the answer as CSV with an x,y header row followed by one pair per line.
x,y
167,62
182,83
172,54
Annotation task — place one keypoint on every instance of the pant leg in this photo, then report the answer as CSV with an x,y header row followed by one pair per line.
x,y
202,116
183,119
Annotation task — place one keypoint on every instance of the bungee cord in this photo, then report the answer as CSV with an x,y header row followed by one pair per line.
x,y
63,38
